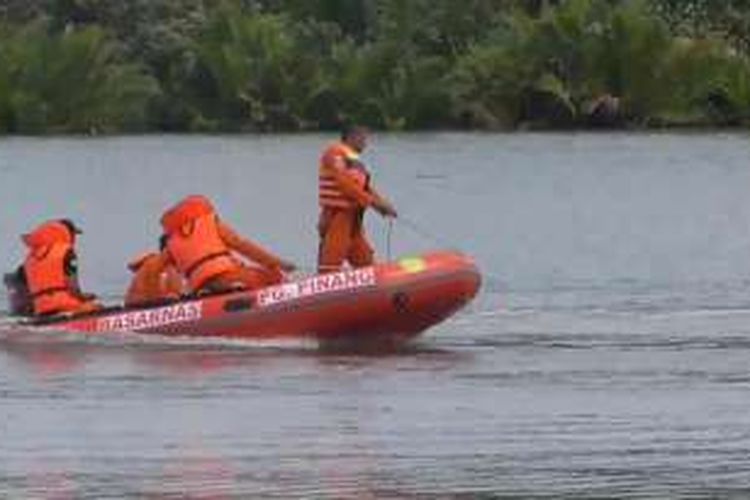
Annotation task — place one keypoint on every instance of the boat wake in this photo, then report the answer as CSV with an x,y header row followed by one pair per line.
x,y
11,331
13,334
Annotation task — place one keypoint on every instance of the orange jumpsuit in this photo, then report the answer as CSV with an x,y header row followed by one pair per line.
x,y
203,249
154,280
51,273
344,195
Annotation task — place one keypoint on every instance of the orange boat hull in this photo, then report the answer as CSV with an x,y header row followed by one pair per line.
x,y
390,302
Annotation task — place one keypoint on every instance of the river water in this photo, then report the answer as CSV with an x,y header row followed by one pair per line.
x,y
606,356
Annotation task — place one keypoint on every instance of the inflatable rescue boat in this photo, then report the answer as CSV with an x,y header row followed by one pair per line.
x,y
385,303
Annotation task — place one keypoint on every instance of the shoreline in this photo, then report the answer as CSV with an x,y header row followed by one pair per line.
x,y
661,130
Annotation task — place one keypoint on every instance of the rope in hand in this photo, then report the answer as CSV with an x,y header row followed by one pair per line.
x,y
388,238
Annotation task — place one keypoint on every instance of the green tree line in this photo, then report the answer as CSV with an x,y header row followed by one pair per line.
x,y
105,66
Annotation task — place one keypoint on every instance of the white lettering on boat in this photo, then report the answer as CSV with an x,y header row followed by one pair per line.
x,y
317,285
151,318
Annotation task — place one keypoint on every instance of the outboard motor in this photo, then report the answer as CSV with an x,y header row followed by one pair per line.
x,y
19,299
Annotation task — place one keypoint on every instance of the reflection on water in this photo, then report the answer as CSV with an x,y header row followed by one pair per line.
x,y
603,404
337,456
606,357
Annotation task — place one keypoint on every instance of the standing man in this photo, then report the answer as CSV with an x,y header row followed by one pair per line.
x,y
345,192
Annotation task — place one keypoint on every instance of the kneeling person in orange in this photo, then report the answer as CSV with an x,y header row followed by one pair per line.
x,y
51,270
155,279
204,249
345,192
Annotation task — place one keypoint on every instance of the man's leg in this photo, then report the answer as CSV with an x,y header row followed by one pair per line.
x,y
243,278
361,253
257,277
335,241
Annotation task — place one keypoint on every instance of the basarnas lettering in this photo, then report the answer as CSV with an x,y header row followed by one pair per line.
x,y
152,318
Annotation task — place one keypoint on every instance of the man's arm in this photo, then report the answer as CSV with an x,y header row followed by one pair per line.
x,y
71,271
382,205
364,197
252,250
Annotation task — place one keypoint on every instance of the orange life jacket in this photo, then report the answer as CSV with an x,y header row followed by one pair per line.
x,y
330,194
194,241
49,286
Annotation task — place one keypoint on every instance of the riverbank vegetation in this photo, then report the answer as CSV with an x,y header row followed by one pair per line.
x,y
102,66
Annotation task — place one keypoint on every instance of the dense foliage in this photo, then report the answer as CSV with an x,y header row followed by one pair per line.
x,y
91,66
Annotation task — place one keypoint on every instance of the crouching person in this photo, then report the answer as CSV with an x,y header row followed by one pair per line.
x,y
155,279
50,271
206,251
